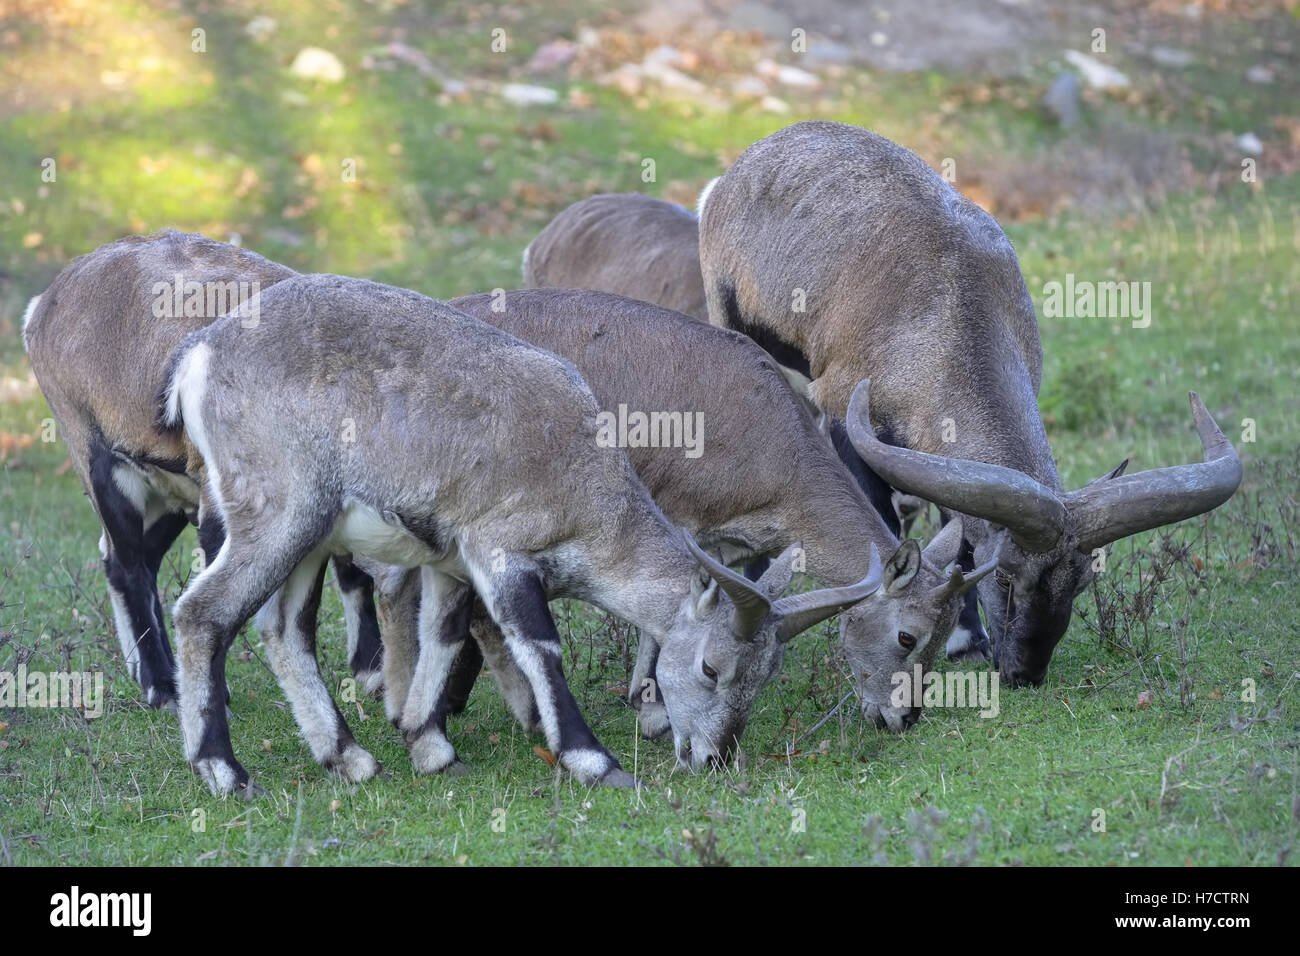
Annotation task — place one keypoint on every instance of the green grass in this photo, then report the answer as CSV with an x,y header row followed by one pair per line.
x,y
1201,777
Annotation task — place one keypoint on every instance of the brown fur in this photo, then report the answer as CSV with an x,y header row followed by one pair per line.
x,y
625,243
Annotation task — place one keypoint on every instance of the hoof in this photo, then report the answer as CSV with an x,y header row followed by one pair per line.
x,y
222,776
432,753
250,791
371,683
618,777
162,697
355,764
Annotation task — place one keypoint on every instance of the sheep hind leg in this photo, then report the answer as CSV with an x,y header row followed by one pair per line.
x,y
443,629
365,650
288,626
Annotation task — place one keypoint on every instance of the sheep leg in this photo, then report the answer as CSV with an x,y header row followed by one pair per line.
x,y
443,628
287,624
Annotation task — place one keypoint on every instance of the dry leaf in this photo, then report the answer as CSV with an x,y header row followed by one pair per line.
x,y
545,755
336,806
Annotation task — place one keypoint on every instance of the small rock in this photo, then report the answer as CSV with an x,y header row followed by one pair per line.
x,y
1260,74
793,76
879,39
1250,143
750,87
772,104
525,94
587,37
1144,700
665,54
313,63
1096,74
671,78
824,51
1062,99
550,55
786,75
627,78
259,28
1168,56
411,57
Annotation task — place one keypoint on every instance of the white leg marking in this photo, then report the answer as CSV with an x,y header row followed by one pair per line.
x,y
527,656
587,765
960,640
296,669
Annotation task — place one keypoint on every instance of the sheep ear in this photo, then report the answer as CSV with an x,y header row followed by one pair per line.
x,y
945,546
704,592
902,566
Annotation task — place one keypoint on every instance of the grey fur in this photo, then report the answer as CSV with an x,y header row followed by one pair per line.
x,y
100,356
364,418
625,243
760,486
909,284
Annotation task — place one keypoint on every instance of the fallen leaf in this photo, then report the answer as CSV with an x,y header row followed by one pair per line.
x,y
336,806
545,755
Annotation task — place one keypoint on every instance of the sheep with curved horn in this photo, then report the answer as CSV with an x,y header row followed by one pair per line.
x,y
645,248
1040,520
756,482
847,257
359,418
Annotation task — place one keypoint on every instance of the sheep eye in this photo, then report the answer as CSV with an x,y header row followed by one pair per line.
x,y
709,672
906,640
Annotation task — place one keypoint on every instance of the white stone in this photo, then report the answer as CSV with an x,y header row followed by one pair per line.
x,y
313,63
1095,73
525,94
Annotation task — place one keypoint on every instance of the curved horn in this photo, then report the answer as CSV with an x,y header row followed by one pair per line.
x,y
1029,510
752,605
797,613
1106,511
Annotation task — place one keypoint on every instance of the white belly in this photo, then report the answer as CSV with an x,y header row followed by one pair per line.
x,y
361,530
